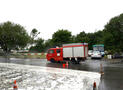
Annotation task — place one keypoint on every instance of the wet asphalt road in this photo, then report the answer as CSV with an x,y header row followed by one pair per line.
x,y
111,80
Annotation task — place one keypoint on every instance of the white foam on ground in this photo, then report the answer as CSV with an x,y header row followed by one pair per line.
x,y
40,78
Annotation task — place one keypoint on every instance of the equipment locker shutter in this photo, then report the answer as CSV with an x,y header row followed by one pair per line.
x,y
78,51
86,51
67,52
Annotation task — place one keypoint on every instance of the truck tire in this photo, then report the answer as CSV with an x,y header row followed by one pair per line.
x,y
74,61
78,62
52,60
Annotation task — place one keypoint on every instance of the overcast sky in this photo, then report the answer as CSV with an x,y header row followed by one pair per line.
x,y
47,16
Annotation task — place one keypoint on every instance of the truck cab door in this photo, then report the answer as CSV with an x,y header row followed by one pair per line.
x,y
59,54
51,54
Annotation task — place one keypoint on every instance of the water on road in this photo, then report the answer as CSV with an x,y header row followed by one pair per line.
x,y
111,80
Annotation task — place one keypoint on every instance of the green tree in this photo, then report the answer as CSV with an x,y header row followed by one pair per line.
x,y
12,36
113,32
91,40
34,33
99,37
95,38
48,44
73,38
82,37
39,46
61,37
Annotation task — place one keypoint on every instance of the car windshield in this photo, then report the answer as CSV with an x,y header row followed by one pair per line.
x,y
90,51
96,51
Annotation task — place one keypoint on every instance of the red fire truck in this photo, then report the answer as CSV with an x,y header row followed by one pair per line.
x,y
74,52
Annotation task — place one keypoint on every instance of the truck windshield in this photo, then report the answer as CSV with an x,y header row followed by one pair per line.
x,y
51,51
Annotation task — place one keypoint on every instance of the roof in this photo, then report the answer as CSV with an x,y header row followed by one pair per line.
x,y
98,45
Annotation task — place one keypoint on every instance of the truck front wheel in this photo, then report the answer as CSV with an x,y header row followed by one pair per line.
x,y
52,60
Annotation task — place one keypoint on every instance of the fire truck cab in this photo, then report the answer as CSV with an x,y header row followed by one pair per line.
x,y
55,54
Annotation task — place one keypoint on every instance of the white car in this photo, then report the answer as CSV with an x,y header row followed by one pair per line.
x,y
96,54
90,52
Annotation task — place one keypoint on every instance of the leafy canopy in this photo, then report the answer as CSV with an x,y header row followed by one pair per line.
x,y
114,34
12,36
61,37
39,46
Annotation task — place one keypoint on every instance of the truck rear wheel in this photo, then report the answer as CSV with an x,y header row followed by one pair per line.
x,y
78,61
74,61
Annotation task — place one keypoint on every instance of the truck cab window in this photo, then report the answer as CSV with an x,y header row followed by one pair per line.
x,y
58,50
51,51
